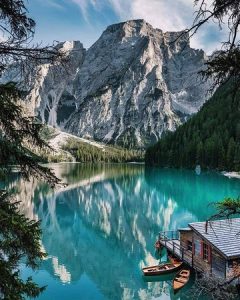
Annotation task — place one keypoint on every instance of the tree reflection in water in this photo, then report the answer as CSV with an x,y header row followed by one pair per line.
x,y
105,222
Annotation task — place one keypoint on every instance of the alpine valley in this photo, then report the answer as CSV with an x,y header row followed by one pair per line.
x,y
119,163
133,84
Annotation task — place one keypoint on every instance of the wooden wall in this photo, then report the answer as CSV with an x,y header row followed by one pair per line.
x,y
198,261
214,264
185,236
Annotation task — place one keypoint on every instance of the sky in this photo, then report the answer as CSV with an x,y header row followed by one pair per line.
x,y
85,20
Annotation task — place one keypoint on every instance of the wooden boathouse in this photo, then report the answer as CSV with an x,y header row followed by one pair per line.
x,y
211,247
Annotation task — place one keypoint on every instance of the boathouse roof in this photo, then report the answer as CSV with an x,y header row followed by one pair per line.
x,y
223,235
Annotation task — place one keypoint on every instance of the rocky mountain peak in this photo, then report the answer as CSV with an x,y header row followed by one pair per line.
x,y
178,41
141,28
69,46
134,83
131,28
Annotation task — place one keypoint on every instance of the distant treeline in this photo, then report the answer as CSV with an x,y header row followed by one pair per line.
x,y
84,152
211,138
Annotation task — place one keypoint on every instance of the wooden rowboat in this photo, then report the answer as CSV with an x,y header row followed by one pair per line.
x,y
180,280
161,269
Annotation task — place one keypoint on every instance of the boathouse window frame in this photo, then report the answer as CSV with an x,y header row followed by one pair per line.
x,y
189,245
197,246
205,251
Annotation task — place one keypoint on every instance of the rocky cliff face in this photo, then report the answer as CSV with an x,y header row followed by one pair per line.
x,y
133,84
52,87
49,87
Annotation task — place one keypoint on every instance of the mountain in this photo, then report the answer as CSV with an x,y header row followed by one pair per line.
x,y
52,87
133,84
211,138
48,87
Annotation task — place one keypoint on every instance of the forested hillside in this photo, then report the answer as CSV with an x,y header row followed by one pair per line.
x,y
88,153
211,138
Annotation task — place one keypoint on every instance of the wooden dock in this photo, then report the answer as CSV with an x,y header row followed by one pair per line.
x,y
170,240
209,247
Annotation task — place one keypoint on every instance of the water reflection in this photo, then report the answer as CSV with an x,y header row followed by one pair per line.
x,y
101,228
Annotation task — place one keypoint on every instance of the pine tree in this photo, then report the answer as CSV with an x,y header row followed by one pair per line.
x,y
210,138
230,154
19,140
223,66
236,160
199,156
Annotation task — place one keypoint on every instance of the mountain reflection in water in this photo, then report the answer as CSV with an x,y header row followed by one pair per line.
x,y
100,229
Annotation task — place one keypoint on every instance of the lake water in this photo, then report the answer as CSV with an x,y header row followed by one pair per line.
x,y
101,229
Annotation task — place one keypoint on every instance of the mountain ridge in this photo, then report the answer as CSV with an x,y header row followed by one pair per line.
x,y
133,84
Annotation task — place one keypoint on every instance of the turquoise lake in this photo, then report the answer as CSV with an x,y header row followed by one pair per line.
x,y
100,229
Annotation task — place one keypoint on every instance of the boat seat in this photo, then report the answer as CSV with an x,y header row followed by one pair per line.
x,y
180,280
167,267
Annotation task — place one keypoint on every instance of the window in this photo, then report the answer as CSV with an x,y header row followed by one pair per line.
x,y
189,246
205,251
197,247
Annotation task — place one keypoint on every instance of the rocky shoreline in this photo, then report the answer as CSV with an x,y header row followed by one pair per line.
x,y
231,174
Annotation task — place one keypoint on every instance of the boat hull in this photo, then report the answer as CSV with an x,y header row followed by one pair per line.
x,y
161,269
180,280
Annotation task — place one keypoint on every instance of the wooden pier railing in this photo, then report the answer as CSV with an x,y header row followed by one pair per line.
x,y
170,240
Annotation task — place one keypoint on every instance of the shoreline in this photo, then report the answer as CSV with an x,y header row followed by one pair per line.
x,y
231,174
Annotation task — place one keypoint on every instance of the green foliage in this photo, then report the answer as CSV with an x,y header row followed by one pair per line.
x,y
19,142
84,152
19,238
211,138
223,66
20,138
127,139
228,207
47,133
62,156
